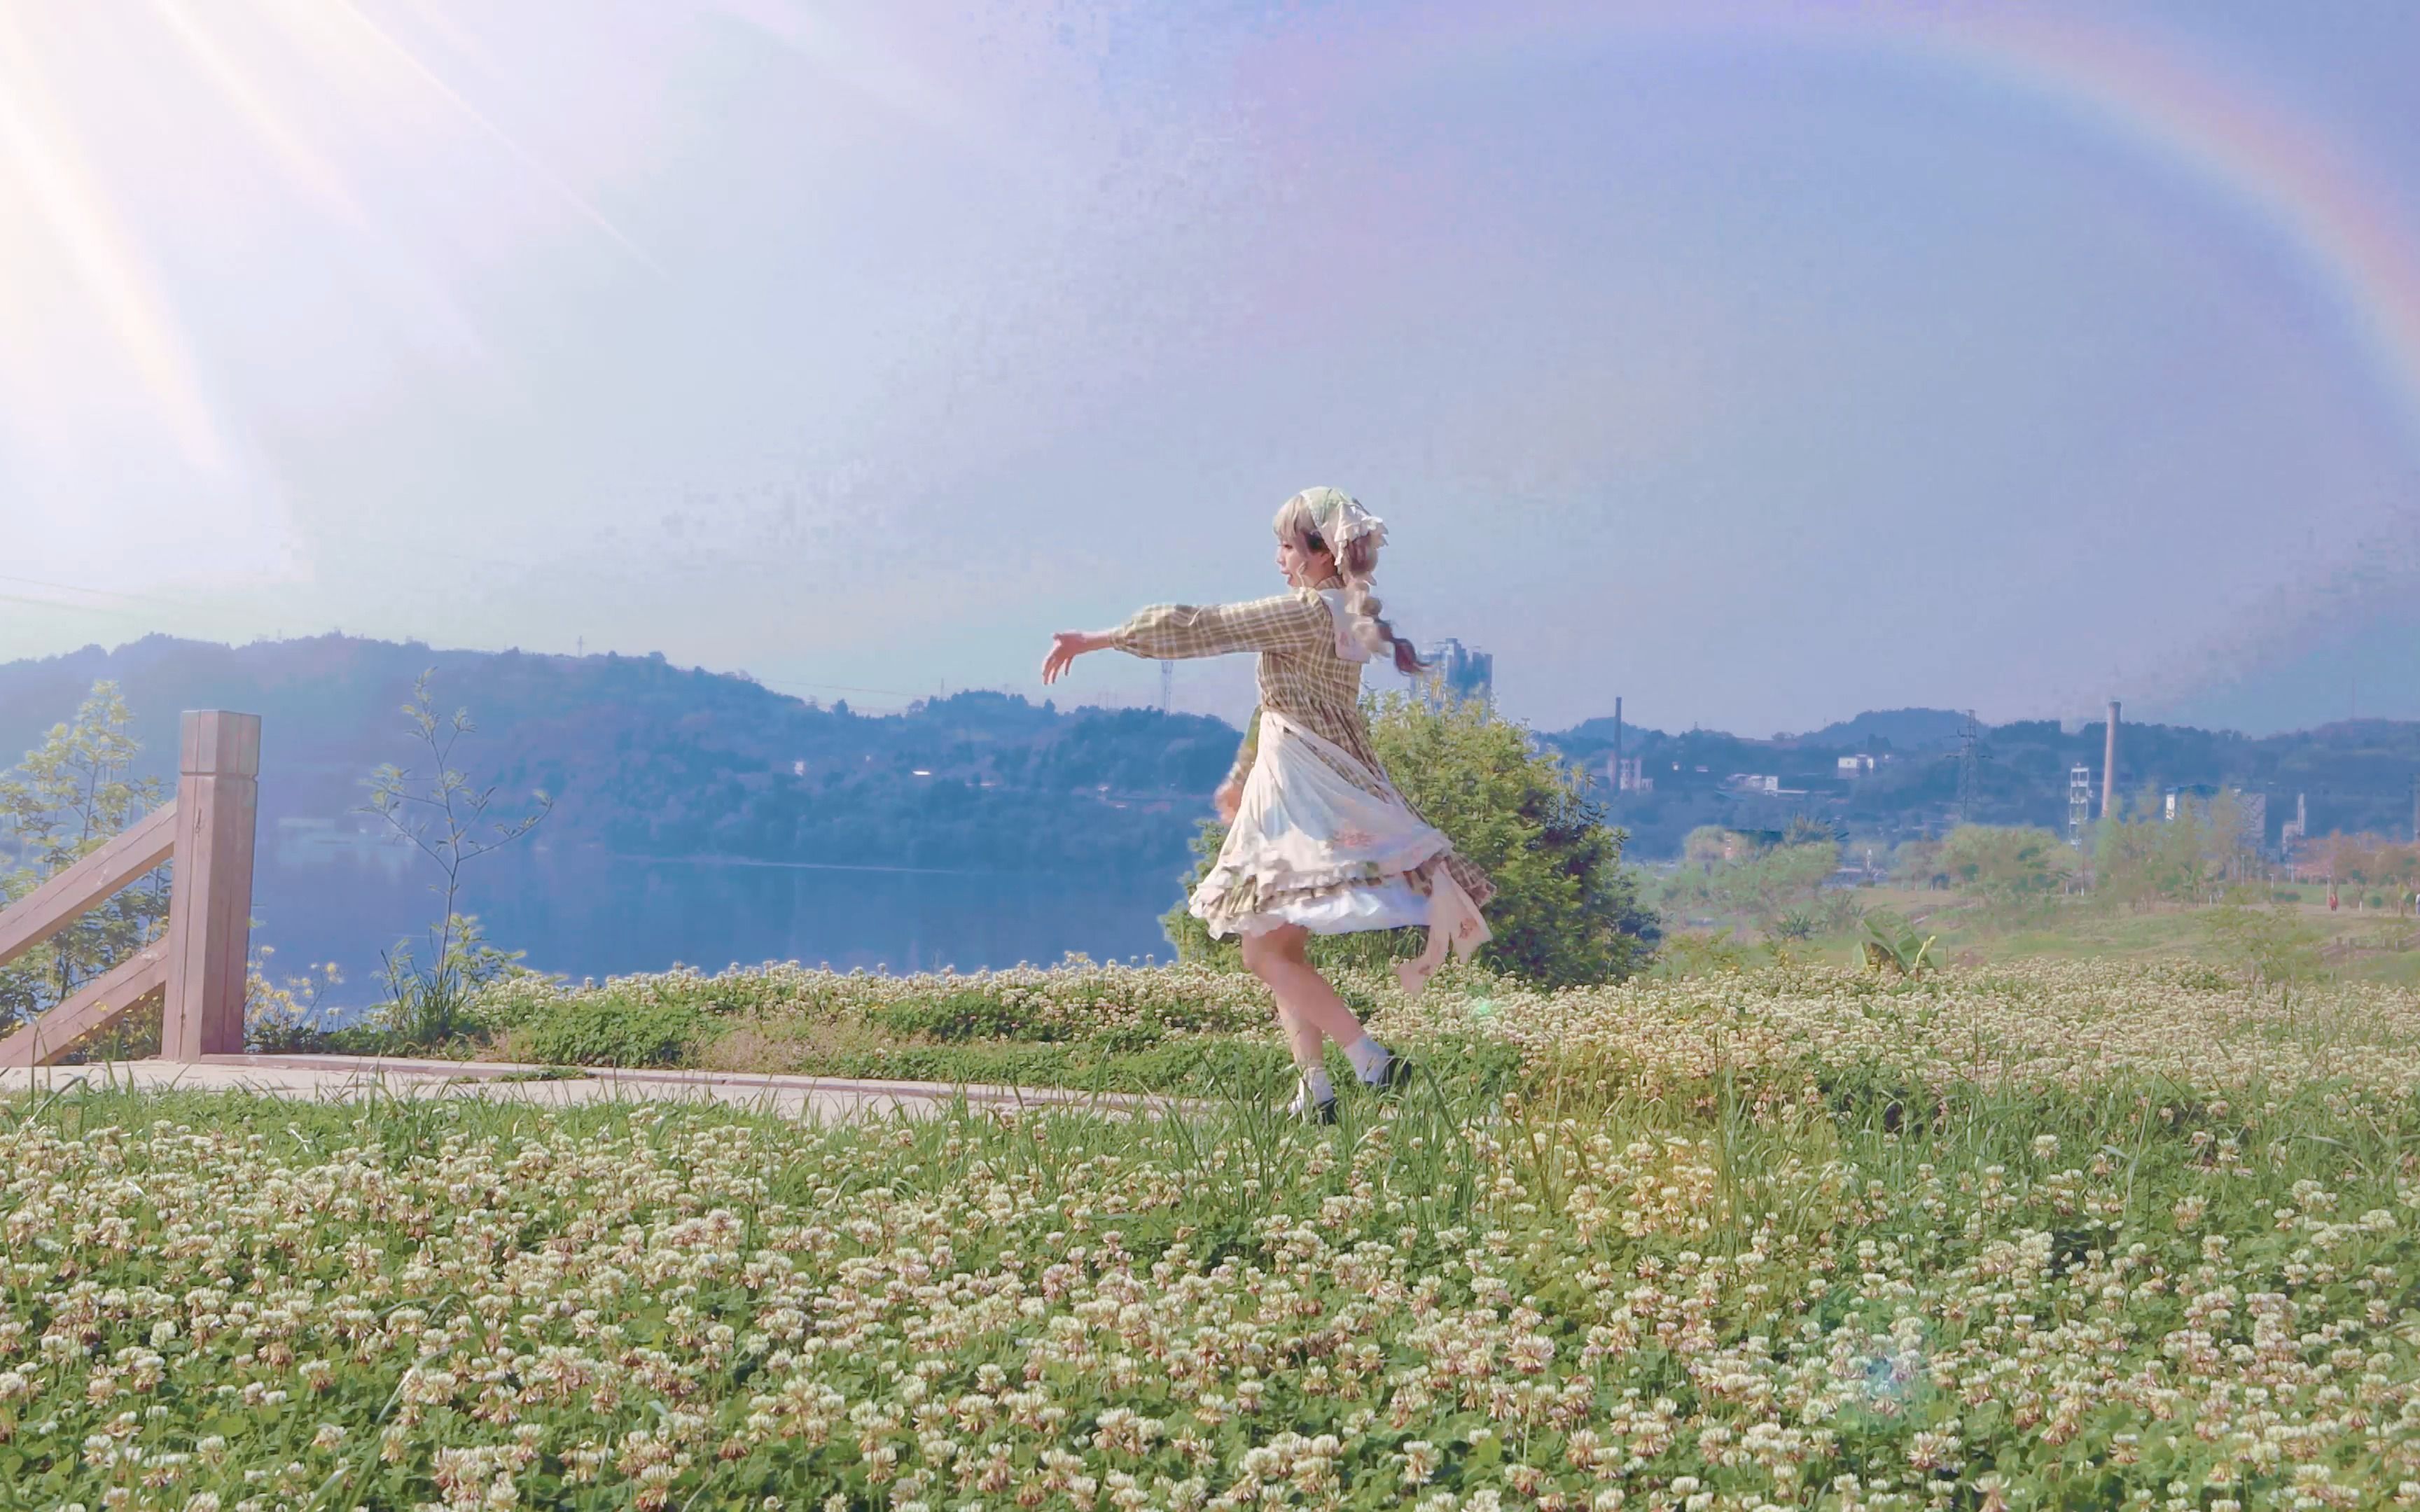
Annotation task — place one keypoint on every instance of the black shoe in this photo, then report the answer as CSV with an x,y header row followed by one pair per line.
x,y
1323,1111
1391,1081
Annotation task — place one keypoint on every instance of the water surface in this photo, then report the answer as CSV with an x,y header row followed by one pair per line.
x,y
584,913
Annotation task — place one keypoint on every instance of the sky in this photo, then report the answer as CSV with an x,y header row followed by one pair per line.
x,y
1759,363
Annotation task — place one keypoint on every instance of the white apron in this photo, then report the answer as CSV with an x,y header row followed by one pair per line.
x,y
1328,853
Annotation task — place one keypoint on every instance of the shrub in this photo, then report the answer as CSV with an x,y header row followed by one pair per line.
x,y
613,1030
1795,924
1566,911
2016,870
955,1017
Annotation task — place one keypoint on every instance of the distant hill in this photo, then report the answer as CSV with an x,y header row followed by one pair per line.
x,y
1906,729
1898,728
2354,774
650,759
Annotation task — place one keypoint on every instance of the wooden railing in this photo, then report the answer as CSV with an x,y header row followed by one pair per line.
x,y
197,968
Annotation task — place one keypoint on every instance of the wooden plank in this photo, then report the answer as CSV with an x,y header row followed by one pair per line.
x,y
102,1000
209,903
58,903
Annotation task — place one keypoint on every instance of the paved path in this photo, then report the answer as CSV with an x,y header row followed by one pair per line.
x,y
340,1077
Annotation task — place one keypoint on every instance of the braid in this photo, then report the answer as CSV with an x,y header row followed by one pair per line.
x,y
1358,567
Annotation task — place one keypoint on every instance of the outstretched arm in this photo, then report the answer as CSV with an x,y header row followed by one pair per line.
x,y
1173,632
1170,632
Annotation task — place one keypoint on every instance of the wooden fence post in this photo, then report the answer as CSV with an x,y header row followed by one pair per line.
x,y
209,906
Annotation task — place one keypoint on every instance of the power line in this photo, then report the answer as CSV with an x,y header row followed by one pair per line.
x,y
76,609
100,592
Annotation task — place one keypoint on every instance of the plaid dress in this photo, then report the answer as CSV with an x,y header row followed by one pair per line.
x,y
1301,676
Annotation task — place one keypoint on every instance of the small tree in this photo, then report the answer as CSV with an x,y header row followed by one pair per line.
x,y
2271,946
2016,870
443,814
1776,883
1777,886
1565,910
2142,857
68,796
1917,863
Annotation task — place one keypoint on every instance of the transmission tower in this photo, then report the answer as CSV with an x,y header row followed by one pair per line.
x,y
1167,683
1970,757
2079,803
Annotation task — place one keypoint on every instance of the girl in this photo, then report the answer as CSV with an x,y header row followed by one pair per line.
x,y
1319,842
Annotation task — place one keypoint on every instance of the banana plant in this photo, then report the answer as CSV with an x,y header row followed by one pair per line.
x,y
1896,948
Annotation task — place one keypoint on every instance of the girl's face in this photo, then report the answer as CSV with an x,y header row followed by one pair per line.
x,y
1302,566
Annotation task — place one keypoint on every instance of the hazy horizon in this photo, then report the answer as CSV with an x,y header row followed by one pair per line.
x,y
876,702
1754,363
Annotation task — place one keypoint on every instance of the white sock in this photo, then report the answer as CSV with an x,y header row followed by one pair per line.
x,y
1370,1059
1312,1088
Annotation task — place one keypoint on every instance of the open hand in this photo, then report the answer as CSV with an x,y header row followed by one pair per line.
x,y
1064,648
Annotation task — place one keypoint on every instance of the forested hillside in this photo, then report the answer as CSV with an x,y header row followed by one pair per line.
x,y
646,758
651,759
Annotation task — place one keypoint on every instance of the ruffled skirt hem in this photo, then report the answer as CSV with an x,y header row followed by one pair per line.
x,y
1393,904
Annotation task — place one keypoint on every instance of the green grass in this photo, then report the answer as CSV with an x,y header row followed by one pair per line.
x,y
1745,1286
2372,946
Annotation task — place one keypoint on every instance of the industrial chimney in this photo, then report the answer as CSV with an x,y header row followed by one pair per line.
x,y
2109,762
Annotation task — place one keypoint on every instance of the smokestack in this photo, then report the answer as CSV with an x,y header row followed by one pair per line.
x,y
2109,762
1617,748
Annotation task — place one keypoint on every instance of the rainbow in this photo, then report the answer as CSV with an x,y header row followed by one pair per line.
x,y
2274,165
2213,130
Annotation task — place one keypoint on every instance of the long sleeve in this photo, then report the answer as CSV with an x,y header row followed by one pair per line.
x,y
1172,632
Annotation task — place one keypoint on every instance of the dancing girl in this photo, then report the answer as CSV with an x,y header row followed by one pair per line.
x,y
1318,840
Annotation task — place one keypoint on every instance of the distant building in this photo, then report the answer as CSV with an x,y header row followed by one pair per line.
x,y
1858,765
1458,673
1630,776
2251,817
1752,782
2255,807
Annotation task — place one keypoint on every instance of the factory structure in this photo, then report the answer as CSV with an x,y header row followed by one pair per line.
x,y
1918,773
2243,810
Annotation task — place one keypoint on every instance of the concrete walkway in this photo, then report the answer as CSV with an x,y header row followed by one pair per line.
x,y
327,1078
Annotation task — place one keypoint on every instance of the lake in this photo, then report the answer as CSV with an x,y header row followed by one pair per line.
x,y
583,913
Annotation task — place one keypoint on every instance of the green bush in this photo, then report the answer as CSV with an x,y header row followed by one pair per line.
x,y
1686,954
2018,870
1795,924
613,1030
957,1017
1732,873
1566,911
